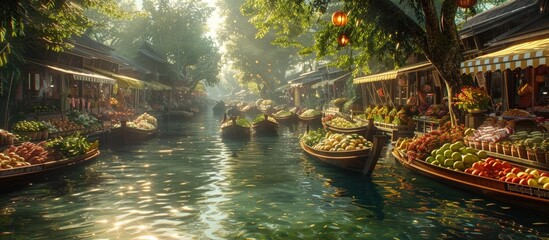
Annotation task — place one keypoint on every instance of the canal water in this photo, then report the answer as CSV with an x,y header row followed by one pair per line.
x,y
189,183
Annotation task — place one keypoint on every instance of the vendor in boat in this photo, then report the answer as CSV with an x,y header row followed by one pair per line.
x,y
233,112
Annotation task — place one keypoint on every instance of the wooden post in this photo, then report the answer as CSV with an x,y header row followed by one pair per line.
x,y
378,144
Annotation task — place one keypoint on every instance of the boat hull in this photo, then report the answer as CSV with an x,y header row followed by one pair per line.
x,y
13,178
515,194
363,161
265,127
235,131
131,135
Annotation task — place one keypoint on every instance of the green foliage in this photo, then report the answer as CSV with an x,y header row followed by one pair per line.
x,y
175,29
313,137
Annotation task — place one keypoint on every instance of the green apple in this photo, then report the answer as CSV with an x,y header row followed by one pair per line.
x,y
482,154
449,162
448,153
430,159
459,165
456,156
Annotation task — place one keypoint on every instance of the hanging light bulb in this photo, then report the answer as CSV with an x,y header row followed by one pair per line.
x,y
343,40
339,18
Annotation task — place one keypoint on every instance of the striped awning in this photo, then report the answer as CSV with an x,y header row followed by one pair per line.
x,y
121,80
529,54
390,75
78,73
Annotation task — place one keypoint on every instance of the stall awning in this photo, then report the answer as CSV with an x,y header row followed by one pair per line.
x,y
157,86
305,81
330,82
389,75
529,54
79,74
282,88
121,80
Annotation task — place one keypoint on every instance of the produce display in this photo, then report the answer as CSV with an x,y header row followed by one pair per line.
x,y
61,125
323,140
7,138
313,137
282,113
491,130
28,152
71,146
240,121
516,113
143,121
86,120
459,157
28,126
309,113
336,142
12,160
261,117
396,116
422,146
341,122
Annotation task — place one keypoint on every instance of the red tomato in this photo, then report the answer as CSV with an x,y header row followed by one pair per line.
x,y
502,178
507,170
483,174
544,174
469,170
506,165
515,170
509,179
516,180
523,182
478,166
476,172
497,165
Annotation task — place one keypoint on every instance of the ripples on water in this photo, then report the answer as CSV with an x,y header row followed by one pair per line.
x,y
191,184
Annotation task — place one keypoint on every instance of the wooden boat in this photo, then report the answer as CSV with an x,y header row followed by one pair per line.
x,y
366,130
363,161
230,128
315,118
16,177
518,195
125,134
286,118
268,126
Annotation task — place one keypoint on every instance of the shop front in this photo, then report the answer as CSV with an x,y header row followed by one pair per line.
x,y
515,77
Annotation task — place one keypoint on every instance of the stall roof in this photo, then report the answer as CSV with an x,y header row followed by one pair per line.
x,y
330,82
389,75
77,73
123,81
529,54
157,86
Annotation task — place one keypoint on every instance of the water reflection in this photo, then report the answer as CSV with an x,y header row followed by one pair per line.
x,y
189,183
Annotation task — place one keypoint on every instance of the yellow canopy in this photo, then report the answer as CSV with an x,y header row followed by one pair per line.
x,y
389,75
158,86
122,81
529,54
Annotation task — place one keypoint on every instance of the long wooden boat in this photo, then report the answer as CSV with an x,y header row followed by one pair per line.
x,y
285,119
16,177
266,126
518,195
363,161
231,129
315,118
366,130
125,134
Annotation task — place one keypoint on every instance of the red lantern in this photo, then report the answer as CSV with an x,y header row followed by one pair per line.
x,y
466,3
343,40
339,18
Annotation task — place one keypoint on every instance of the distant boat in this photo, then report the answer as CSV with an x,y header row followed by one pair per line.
x,y
235,127
266,126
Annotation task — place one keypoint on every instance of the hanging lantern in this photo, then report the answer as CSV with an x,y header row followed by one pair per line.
x,y
339,18
466,3
343,40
